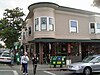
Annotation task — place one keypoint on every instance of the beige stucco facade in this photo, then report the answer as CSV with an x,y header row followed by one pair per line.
x,y
61,20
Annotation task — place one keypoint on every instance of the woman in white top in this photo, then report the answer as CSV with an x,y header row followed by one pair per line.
x,y
24,62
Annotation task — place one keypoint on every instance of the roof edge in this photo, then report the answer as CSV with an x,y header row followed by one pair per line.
x,y
58,7
41,4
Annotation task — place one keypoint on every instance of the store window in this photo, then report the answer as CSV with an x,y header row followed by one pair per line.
x,y
73,26
61,49
37,24
74,47
43,23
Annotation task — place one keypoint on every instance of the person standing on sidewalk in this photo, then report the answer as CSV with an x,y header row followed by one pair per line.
x,y
24,63
17,58
34,61
12,58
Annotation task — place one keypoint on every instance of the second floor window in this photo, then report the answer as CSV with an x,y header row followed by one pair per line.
x,y
92,27
43,23
98,25
29,31
51,25
23,35
37,24
73,26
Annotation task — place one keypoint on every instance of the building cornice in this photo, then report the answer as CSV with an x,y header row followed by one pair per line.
x,y
57,7
42,4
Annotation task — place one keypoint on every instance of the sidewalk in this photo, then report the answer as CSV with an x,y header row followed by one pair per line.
x,y
42,67
47,67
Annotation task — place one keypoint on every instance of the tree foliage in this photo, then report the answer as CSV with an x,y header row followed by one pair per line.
x,y
1,46
96,3
10,26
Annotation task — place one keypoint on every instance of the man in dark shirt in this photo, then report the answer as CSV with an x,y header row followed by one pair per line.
x,y
34,61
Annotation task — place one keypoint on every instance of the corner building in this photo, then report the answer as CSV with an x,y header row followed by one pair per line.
x,y
53,30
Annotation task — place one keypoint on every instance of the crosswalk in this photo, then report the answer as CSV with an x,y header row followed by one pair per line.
x,y
49,73
8,72
5,69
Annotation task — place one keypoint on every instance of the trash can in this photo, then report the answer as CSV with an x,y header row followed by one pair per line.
x,y
57,60
68,62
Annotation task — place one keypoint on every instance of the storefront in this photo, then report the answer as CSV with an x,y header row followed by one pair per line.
x,y
90,48
52,47
72,49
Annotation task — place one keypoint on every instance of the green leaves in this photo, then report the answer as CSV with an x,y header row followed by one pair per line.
x,y
10,26
96,3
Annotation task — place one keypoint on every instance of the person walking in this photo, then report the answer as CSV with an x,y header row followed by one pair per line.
x,y
34,61
24,63
12,58
17,58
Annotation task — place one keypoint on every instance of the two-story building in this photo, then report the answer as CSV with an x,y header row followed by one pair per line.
x,y
57,30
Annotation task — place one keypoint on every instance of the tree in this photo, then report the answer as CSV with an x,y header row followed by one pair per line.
x,y
96,3
1,46
10,26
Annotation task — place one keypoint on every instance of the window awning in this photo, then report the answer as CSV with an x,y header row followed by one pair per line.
x,y
64,40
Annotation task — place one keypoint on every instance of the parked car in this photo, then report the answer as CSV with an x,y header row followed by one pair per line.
x,y
0,53
5,57
88,66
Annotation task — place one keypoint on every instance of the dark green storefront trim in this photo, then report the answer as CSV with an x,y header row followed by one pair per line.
x,y
63,40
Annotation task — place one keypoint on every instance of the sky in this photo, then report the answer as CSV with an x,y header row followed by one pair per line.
x,y
78,4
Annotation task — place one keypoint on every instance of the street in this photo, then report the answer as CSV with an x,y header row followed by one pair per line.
x,y
56,73
51,73
8,72
6,69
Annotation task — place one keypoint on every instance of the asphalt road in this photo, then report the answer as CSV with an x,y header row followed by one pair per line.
x,y
8,72
6,69
56,73
50,73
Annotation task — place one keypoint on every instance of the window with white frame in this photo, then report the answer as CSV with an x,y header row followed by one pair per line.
x,y
36,24
98,25
73,26
29,31
23,35
43,23
92,27
51,25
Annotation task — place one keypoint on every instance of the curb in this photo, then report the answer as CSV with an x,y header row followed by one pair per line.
x,y
61,69
41,69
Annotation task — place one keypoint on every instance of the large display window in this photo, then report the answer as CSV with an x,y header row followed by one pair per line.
x,y
74,47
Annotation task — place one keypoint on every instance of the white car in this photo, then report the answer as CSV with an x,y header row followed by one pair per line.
x,y
87,66
5,57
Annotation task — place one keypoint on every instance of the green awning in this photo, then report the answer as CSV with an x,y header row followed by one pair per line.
x,y
64,40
